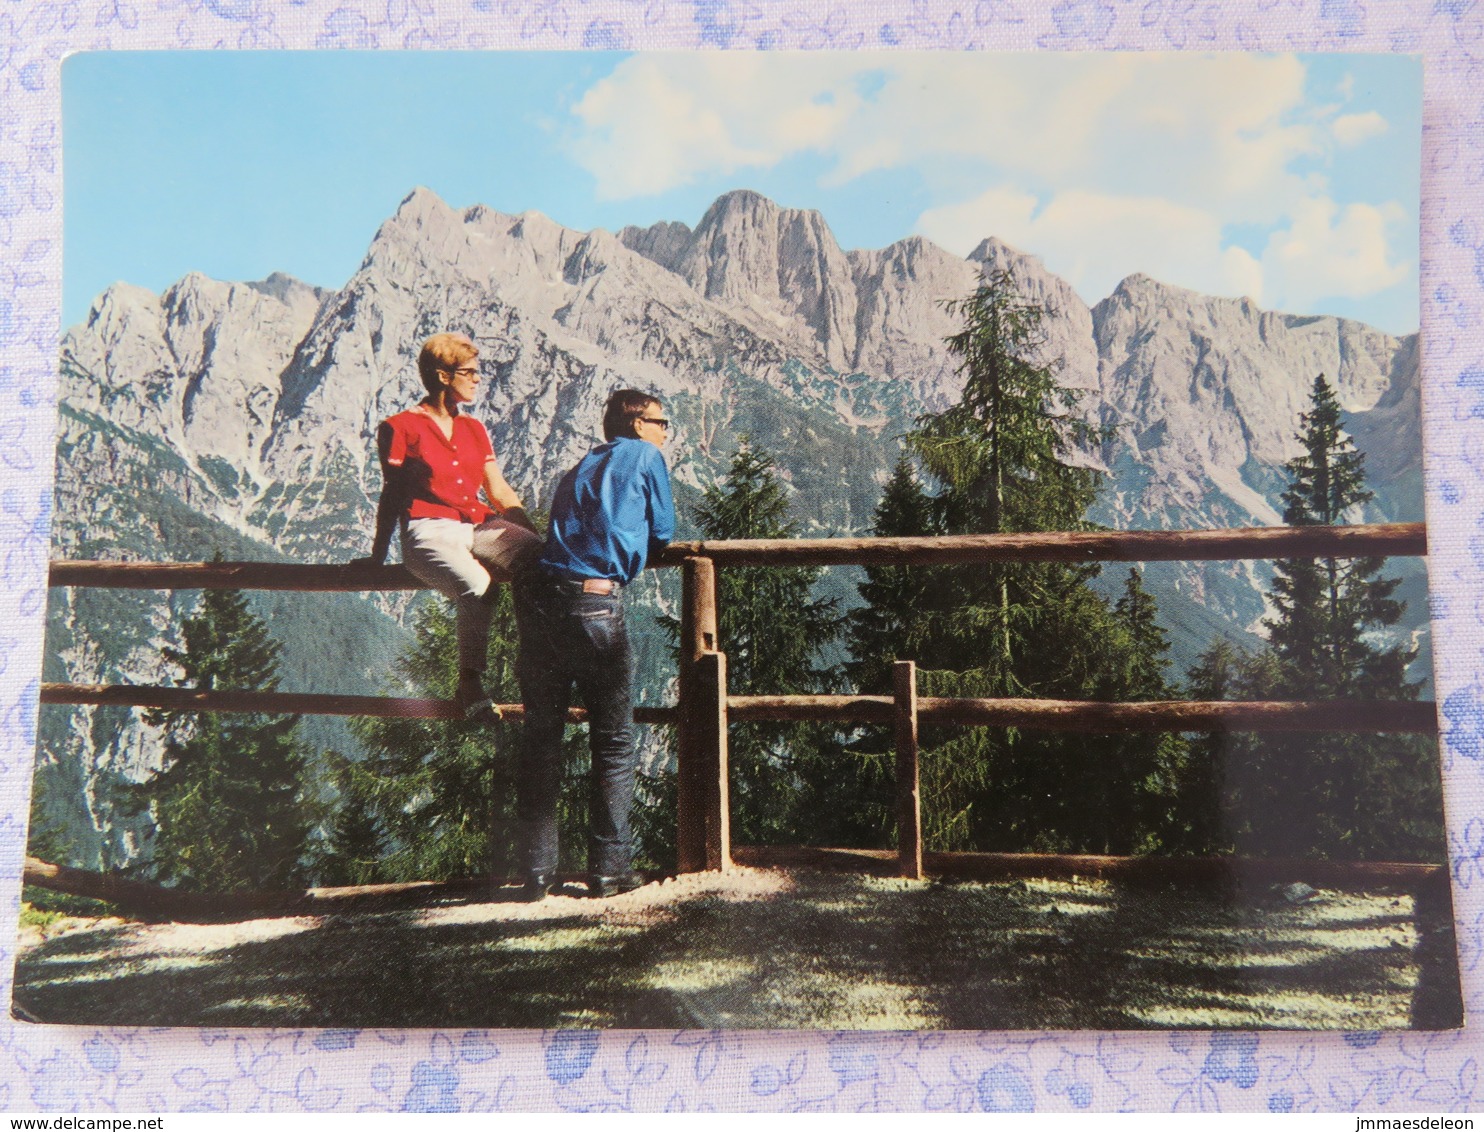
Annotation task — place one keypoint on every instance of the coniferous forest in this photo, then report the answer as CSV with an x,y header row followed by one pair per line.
x,y
242,802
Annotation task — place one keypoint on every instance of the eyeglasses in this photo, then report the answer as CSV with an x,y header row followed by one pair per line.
x,y
464,371
661,421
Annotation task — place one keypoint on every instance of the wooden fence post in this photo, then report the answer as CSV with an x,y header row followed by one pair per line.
x,y
712,789
698,607
909,794
701,758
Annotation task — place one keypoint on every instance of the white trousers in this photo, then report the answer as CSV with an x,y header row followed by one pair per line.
x,y
460,561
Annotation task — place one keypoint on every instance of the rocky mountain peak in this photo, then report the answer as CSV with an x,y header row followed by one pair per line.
x,y
662,243
114,303
1068,323
1148,296
992,249
287,289
739,207
420,204
912,248
748,247
422,229
780,269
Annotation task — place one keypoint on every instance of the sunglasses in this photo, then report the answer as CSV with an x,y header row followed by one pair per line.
x,y
663,422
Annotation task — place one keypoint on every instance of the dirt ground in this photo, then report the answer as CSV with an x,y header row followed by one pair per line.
x,y
774,949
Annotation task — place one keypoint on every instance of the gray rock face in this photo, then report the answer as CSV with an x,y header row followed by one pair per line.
x,y
781,271
1206,395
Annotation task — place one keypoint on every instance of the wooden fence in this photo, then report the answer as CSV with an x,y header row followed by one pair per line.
x,y
704,710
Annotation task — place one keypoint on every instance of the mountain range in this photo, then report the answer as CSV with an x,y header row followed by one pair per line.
x,y
240,417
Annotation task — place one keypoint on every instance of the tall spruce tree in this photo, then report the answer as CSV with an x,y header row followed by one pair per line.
x,y
787,779
1002,460
893,622
1146,777
1325,607
1339,795
228,804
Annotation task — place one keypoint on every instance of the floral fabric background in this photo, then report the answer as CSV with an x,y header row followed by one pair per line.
x,y
61,1070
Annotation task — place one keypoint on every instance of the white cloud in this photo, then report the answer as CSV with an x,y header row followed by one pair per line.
x,y
1103,165
1352,129
1209,131
1094,241
1333,252
660,121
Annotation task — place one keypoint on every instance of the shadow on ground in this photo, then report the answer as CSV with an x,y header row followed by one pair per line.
x,y
795,950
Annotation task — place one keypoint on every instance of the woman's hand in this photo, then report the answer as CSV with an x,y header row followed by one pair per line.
x,y
503,496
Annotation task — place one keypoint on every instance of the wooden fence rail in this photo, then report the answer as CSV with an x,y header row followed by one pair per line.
x,y
1212,874
1103,718
292,703
704,710
1393,540
1379,540
1416,717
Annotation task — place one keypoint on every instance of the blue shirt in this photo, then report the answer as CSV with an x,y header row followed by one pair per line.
x,y
611,513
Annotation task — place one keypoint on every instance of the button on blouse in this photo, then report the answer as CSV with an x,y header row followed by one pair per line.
x,y
413,442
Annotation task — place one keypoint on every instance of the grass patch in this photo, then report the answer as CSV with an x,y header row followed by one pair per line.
x,y
48,906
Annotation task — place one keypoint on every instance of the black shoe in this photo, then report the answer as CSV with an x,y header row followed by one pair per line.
x,y
537,887
604,887
474,702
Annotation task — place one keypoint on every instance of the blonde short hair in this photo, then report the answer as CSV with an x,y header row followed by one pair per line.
x,y
441,353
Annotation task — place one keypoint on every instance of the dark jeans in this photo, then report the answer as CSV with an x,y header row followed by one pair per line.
x,y
568,637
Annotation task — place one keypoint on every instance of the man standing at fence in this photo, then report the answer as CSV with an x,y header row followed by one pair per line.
x,y
611,514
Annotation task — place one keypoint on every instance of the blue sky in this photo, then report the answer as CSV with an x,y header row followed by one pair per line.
x,y
1291,179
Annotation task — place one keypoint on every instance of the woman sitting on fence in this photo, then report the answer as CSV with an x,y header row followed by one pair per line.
x,y
434,461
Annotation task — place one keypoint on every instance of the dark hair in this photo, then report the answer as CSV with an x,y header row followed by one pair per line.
x,y
624,408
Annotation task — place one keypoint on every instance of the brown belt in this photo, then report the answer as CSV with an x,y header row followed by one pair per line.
x,y
598,586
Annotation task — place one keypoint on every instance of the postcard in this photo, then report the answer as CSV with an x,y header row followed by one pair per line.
x,y
1042,641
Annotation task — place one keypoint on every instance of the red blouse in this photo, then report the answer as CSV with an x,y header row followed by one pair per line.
x,y
441,476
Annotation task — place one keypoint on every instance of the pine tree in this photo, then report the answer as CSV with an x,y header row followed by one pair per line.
x,y
228,804
1003,460
1325,607
772,626
356,844
1143,675
1145,791
773,630
1338,795
892,624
